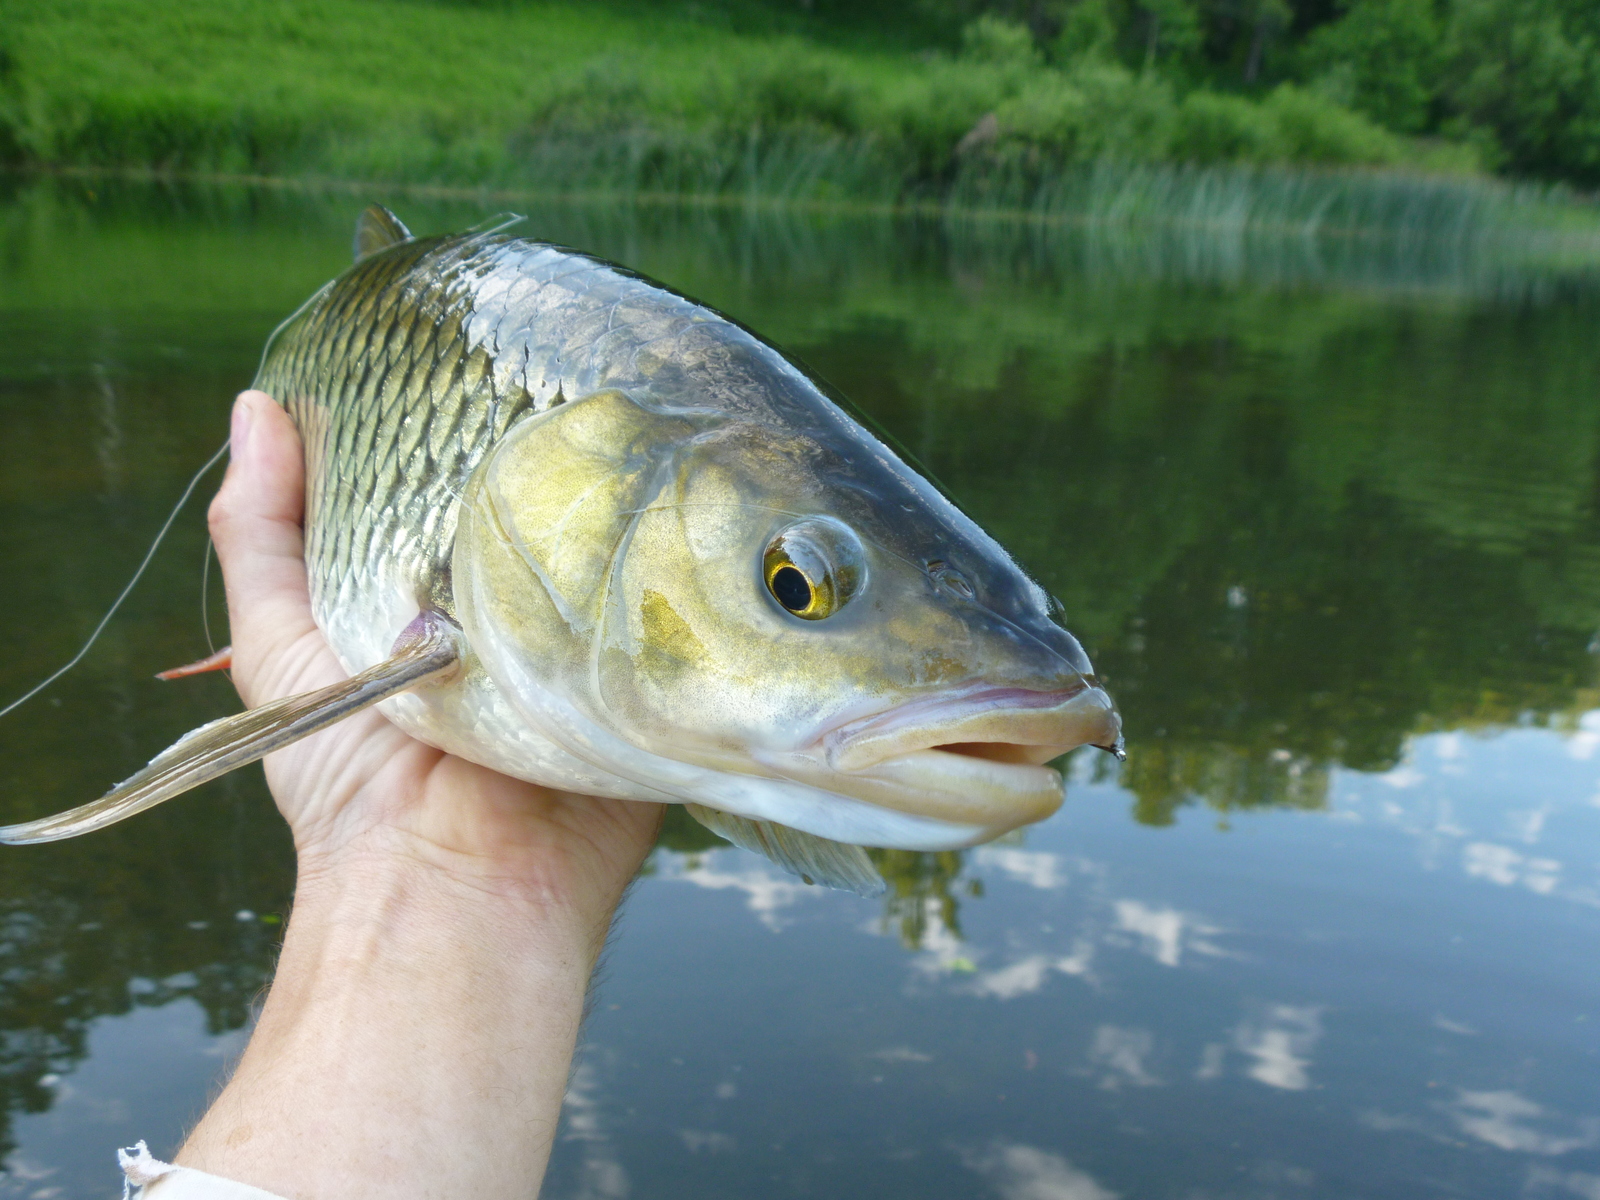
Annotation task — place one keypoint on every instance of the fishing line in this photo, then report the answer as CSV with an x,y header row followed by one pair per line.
x,y
272,337
502,220
205,598
194,482
205,609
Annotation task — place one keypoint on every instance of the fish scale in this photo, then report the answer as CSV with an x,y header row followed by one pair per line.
x,y
404,374
393,423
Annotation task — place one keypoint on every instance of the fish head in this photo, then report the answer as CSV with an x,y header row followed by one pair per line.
x,y
792,609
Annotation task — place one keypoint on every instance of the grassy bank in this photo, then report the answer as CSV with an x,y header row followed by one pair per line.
x,y
633,99
622,97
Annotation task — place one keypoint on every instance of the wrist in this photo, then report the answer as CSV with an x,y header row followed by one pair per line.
x,y
549,896
403,889
424,1012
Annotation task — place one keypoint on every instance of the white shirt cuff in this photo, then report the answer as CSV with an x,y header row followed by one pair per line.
x,y
148,1178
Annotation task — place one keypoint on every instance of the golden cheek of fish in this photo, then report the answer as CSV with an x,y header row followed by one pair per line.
x,y
569,524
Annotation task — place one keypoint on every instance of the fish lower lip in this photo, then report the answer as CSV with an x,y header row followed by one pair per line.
x,y
982,794
1000,795
1013,726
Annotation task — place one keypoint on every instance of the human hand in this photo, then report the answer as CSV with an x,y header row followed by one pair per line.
x,y
420,1027
363,788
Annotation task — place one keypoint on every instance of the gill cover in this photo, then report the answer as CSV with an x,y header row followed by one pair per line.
x,y
547,518
545,532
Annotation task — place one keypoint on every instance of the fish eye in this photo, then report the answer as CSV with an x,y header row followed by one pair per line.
x,y
814,567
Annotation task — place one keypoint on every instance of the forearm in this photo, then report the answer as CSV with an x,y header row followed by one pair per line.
x,y
417,1037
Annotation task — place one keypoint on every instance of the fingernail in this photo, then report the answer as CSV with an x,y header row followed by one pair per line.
x,y
239,434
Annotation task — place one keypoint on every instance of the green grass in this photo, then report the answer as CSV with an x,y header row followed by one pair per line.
x,y
636,100
637,97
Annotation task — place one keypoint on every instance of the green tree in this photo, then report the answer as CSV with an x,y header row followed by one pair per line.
x,y
1384,56
1088,31
1168,28
1529,70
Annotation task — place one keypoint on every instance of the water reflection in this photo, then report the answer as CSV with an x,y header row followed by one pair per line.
x,y
1269,581
159,916
1026,1172
1348,990
922,891
1317,538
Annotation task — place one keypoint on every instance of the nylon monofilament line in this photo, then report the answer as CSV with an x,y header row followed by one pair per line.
x,y
149,555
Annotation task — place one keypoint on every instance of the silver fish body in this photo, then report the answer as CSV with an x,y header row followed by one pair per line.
x,y
407,373
567,523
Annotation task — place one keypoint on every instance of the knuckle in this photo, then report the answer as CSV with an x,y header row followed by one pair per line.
x,y
222,517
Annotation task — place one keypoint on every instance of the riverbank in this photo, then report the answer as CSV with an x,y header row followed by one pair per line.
x,y
619,98
1382,228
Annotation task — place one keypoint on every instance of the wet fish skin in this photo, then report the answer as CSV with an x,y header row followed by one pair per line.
x,y
655,562
432,357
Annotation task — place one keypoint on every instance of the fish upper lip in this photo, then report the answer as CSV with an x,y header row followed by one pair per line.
x,y
967,717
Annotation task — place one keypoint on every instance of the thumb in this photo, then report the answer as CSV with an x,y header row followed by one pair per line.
x,y
256,523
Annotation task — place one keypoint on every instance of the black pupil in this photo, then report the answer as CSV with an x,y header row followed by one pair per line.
x,y
792,589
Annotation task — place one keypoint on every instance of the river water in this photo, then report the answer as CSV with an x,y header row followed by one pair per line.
x,y
1327,517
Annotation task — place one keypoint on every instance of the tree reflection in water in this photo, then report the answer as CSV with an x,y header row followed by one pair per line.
x,y
1294,527
141,920
923,888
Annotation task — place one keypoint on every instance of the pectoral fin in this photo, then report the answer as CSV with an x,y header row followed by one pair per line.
x,y
814,859
427,650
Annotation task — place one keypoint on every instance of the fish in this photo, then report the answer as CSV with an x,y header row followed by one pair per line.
x,y
570,524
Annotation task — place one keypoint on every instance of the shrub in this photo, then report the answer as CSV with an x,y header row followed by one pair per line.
x,y
1530,71
926,114
1311,128
790,87
1389,52
1093,111
1212,128
1134,113
992,39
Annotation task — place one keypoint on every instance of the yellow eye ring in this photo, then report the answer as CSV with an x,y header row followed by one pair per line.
x,y
814,568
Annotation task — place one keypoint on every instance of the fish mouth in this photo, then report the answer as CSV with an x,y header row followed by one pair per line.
x,y
974,757
1000,724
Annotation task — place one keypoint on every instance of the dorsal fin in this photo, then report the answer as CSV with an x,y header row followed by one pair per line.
x,y
814,859
377,229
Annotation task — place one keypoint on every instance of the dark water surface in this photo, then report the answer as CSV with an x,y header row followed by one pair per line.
x,y
1332,531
